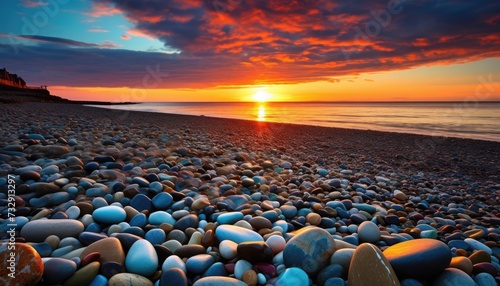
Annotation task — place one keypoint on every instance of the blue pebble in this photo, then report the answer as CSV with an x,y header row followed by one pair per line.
x,y
99,280
139,220
217,269
162,201
156,236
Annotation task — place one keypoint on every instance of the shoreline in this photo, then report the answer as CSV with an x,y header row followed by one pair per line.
x,y
355,126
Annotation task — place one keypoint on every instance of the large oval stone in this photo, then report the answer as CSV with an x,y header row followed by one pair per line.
x,y
109,214
141,258
418,258
39,230
19,266
110,250
236,234
309,249
370,267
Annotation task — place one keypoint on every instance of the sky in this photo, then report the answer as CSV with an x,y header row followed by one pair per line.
x,y
240,50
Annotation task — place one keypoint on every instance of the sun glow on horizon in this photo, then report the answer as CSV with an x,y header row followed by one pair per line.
x,y
261,96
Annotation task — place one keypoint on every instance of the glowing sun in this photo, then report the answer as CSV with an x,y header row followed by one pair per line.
x,y
261,96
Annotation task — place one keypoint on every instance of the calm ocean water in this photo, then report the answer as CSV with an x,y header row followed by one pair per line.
x,y
456,119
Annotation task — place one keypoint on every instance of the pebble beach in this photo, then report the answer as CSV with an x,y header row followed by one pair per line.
x,y
93,196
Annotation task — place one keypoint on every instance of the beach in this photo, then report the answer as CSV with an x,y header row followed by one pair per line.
x,y
153,197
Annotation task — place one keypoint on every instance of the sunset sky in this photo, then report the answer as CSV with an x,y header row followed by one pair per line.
x,y
231,50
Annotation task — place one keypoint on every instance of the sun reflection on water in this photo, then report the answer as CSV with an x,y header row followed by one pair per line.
x,y
261,113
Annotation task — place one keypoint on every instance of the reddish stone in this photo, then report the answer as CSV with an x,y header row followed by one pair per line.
x,y
27,266
91,257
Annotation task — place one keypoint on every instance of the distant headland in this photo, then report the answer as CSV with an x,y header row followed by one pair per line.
x,y
13,89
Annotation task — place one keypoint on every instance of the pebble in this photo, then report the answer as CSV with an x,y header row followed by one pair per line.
x,y
228,249
39,230
173,276
418,258
199,263
292,276
57,270
474,244
141,258
129,279
110,250
453,276
368,232
84,275
218,281
236,234
310,249
109,214
26,265
370,267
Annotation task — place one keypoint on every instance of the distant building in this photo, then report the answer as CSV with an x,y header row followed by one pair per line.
x,y
14,80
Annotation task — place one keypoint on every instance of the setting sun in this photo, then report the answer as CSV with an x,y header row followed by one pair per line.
x,y
261,96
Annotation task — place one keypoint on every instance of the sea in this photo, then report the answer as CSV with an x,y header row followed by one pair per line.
x,y
474,120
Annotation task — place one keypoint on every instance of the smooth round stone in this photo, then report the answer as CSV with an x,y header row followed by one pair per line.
x,y
288,211
474,244
189,250
39,230
255,251
128,279
160,217
217,269
173,276
87,238
162,201
94,256
418,258
57,270
358,218
453,276
429,234
480,256
236,234
276,242
229,218
35,136
462,263
110,250
459,244
99,280
368,232
370,267
141,202
342,257
156,236
330,271
84,275
109,214
172,262
310,249
73,212
199,263
139,220
260,222
292,276
485,279
141,258
485,267
26,264
241,267
187,221
29,175
218,281
250,278
228,249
